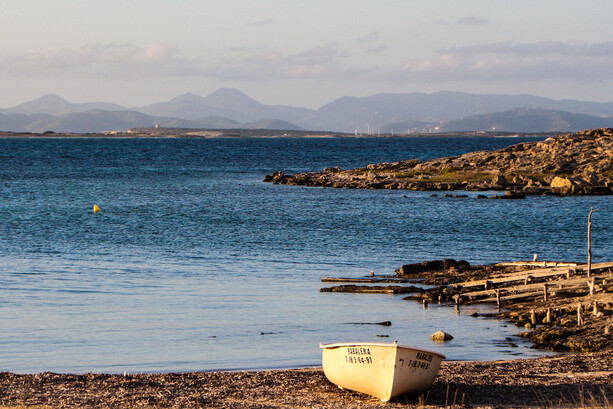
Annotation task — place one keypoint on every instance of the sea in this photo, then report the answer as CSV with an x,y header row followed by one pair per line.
x,y
194,264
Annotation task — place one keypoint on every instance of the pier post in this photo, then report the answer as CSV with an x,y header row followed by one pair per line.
x,y
545,294
533,318
548,317
589,241
579,314
591,285
498,298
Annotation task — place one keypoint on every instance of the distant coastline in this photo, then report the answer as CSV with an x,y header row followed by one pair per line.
x,y
156,133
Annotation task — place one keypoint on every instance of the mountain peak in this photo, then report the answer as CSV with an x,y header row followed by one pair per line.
x,y
50,98
188,97
52,104
47,104
231,98
228,92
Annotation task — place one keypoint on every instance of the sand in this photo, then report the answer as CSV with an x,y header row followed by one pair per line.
x,y
578,380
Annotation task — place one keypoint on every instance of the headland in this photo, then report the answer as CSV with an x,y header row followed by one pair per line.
x,y
570,164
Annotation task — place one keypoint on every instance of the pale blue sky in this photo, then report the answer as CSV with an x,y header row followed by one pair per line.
x,y
303,53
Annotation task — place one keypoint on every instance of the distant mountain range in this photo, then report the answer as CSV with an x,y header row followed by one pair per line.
x,y
398,113
523,120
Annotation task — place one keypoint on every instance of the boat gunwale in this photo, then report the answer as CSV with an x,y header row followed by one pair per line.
x,y
379,344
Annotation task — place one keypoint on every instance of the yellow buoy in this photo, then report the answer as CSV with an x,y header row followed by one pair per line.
x,y
96,209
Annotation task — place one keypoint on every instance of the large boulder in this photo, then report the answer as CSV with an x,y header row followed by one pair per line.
x,y
434,265
441,336
560,182
562,186
499,180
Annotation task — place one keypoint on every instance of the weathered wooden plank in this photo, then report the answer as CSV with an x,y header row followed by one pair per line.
x,y
509,297
495,296
519,296
514,277
552,285
366,280
537,264
370,289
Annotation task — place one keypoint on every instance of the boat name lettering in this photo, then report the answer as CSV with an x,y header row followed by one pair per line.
x,y
424,357
358,351
358,359
417,364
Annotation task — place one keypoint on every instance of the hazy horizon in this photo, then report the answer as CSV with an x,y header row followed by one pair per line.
x,y
303,54
273,103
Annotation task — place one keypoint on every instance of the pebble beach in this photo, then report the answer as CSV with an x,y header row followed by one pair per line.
x,y
573,380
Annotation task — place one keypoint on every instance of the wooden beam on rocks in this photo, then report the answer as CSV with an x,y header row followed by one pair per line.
x,y
561,284
535,274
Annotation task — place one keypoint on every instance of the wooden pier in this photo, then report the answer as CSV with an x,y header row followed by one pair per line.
x,y
564,306
544,284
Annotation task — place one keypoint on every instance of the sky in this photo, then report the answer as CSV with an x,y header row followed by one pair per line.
x,y
303,52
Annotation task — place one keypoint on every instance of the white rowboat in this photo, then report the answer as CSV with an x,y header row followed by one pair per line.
x,y
380,370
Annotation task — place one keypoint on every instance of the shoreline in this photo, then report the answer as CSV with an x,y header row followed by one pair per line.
x,y
569,380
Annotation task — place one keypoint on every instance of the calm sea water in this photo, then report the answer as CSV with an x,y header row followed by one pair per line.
x,y
194,264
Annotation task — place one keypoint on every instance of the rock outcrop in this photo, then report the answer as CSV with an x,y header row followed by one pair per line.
x,y
446,265
571,164
441,336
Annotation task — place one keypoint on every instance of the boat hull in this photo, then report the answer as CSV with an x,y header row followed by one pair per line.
x,y
380,370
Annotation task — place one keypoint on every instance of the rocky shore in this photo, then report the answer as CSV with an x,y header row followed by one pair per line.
x,y
571,164
573,381
558,306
